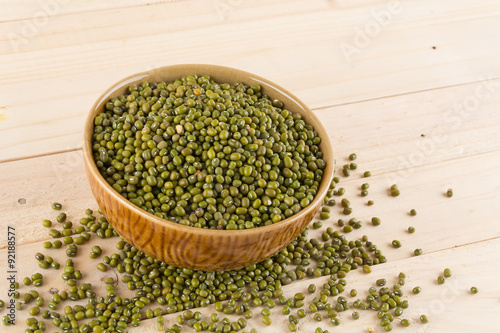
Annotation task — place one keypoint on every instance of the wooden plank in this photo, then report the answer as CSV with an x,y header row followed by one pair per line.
x,y
65,69
27,9
462,160
386,135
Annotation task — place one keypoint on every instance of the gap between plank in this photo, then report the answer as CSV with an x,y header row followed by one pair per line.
x,y
493,78
15,159
450,248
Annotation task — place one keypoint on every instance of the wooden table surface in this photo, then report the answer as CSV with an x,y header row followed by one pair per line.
x,y
412,87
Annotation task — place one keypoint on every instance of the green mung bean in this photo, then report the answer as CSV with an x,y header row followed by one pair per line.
x,y
61,217
186,156
317,224
396,243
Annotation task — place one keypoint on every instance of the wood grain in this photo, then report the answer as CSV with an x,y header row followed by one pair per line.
x,y
26,9
369,128
66,69
418,103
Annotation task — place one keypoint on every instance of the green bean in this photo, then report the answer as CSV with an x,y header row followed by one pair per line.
x,y
417,252
474,290
317,224
423,319
449,193
331,202
56,206
61,217
54,233
447,272
102,267
324,215
413,212
394,190
34,311
396,243
6,320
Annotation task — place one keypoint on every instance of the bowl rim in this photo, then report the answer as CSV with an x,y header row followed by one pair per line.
x,y
326,148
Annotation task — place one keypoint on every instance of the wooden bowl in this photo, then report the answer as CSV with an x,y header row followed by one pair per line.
x,y
190,247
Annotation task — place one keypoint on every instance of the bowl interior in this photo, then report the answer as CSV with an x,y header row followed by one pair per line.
x,y
219,74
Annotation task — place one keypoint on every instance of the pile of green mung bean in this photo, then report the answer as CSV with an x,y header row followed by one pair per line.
x,y
256,290
207,154
175,289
